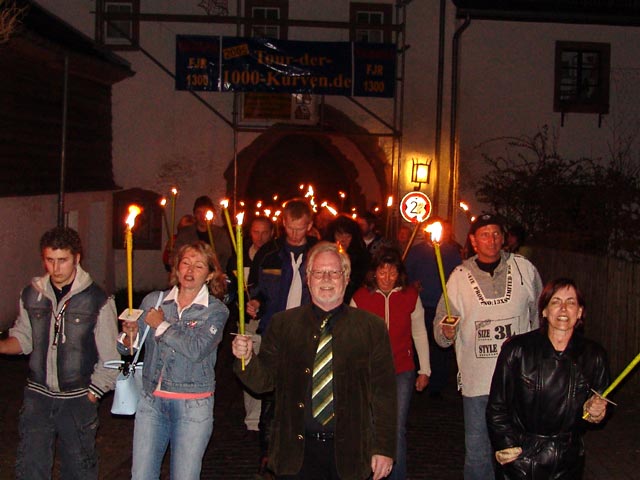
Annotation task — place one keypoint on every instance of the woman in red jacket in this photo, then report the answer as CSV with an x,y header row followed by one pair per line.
x,y
387,294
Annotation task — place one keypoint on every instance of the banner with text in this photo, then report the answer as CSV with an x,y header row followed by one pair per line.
x,y
224,64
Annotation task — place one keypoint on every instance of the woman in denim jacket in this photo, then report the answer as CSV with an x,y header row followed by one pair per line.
x,y
176,405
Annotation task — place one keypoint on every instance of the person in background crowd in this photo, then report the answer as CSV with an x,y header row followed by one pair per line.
x,y
198,231
185,221
331,367
542,388
178,377
345,231
68,326
278,282
387,294
493,295
422,271
402,237
321,221
260,232
516,237
372,239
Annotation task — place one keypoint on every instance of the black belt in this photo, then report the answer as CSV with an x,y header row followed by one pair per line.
x,y
320,436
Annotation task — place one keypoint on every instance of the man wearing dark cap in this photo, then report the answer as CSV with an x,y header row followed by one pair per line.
x,y
198,231
494,295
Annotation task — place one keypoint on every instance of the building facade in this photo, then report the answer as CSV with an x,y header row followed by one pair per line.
x,y
466,73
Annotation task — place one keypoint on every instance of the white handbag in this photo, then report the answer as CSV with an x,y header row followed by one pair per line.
x,y
129,381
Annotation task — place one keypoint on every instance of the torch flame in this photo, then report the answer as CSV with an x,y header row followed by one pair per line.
x,y
332,210
163,202
310,192
225,203
209,215
134,211
435,229
240,217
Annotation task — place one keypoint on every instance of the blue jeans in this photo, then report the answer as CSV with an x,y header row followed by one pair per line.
x,y
478,458
405,382
185,424
73,421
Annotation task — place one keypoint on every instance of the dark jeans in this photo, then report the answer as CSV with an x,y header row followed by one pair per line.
x,y
318,463
440,358
405,382
74,421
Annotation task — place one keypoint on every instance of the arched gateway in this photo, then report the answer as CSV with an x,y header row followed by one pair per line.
x,y
338,155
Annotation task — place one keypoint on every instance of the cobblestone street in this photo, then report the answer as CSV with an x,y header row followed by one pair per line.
x,y
435,430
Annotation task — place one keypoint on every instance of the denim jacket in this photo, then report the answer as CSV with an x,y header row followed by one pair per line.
x,y
184,356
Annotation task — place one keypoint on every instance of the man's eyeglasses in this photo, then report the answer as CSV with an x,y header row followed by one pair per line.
x,y
333,274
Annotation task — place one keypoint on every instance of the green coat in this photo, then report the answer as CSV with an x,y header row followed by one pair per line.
x,y
365,398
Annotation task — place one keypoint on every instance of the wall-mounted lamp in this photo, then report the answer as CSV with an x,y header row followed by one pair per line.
x,y
420,171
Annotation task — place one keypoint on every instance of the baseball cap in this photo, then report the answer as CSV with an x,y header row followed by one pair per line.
x,y
484,220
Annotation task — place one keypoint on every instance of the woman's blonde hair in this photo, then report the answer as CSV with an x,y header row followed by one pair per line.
x,y
217,284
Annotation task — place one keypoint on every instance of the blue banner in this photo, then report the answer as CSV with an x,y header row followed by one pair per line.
x,y
223,64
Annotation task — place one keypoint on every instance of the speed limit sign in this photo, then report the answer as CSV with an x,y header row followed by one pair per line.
x,y
415,207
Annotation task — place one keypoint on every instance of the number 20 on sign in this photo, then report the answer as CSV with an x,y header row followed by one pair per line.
x,y
415,207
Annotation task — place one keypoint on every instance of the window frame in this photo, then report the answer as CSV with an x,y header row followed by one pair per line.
x,y
356,8
599,101
283,11
115,43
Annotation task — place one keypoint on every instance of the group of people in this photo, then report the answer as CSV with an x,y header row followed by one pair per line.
x,y
513,425
330,356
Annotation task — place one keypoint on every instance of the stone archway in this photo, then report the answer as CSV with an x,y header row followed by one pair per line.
x,y
340,156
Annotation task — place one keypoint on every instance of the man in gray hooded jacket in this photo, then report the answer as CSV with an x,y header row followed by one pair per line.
x,y
68,326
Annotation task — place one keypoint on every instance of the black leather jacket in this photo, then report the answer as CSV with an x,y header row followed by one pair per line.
x,y
536,401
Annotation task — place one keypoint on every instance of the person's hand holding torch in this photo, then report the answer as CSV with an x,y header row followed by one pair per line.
x,y
449,322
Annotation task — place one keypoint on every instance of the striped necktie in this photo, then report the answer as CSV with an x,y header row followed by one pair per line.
x,y
322,384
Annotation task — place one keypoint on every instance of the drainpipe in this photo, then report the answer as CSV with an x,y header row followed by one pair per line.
x,y
453,161
439,101
63,149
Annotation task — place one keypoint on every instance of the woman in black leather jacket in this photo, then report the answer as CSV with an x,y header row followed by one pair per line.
x,y
541,388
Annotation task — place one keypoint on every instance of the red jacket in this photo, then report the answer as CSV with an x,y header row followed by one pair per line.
x,y
400,304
